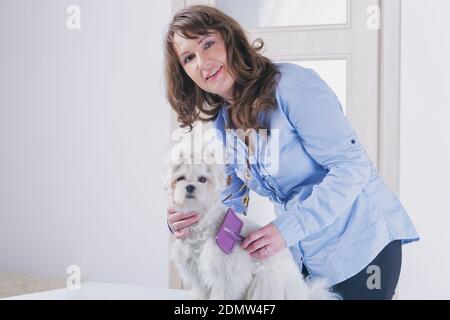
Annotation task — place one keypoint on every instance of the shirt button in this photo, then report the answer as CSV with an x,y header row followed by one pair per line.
x,y
353,141
245,200
248,175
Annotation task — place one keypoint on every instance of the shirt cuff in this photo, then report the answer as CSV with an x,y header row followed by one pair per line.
x,y
289,228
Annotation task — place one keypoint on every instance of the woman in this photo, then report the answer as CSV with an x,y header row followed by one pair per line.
x,y
334,211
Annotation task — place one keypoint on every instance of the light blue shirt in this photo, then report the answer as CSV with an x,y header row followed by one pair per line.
x,y
333,208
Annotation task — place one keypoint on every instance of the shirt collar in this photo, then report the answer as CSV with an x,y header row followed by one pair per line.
x,y
224,114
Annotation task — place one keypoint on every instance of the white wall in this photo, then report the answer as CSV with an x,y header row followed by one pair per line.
x,y
425,146
81,119
82,116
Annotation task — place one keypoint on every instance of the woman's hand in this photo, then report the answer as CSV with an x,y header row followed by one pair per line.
x,y
179,222
264,243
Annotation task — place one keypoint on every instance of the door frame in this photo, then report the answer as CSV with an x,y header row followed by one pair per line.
x,y
390,69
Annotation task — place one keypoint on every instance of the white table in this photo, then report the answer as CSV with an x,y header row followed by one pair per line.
x,y
106,291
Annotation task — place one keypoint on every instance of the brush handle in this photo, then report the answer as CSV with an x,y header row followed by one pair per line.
x,y
234,235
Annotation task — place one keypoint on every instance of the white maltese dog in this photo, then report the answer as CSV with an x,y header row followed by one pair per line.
x,y
212,273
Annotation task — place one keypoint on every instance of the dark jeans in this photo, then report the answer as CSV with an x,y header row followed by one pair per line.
x,y
377,281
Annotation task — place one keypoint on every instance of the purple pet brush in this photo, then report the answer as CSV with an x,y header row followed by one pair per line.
x,y
229,232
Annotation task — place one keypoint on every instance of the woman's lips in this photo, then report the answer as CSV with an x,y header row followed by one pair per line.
x,y
214,77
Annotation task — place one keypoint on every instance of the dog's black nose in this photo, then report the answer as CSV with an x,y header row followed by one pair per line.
x,y
190,188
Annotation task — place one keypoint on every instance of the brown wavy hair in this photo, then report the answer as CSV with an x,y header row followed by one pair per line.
x,y
255,75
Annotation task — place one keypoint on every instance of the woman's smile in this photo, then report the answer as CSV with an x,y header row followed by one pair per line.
x,y
215,74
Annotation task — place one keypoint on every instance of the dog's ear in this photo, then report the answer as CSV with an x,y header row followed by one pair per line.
x,y
179,153
213,152
213,157
166,177
218,173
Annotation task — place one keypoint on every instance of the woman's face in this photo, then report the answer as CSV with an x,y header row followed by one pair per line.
x,y
204,59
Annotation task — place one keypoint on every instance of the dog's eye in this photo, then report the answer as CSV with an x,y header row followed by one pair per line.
x,y
202,179
181,178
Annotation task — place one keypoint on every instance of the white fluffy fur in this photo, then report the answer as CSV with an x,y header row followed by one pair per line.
x,y
214,274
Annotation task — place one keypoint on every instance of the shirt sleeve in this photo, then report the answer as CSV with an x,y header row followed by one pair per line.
x,y
316,115
236,193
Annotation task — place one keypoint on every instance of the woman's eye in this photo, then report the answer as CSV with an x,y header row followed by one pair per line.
x,y
187,59
180,178
202,179
209,44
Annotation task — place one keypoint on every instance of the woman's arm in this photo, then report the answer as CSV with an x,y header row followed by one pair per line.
x,y
326,134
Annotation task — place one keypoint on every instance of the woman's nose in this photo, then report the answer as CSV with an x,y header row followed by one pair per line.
x,y
202,61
